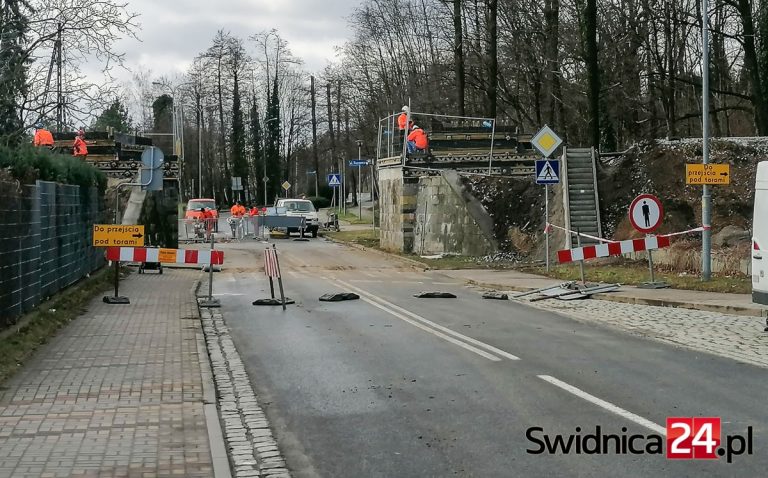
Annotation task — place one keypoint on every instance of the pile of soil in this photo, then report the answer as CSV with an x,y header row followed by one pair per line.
x,y
654,167
659,168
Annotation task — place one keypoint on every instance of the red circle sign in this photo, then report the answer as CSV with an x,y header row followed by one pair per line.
x,y
646,213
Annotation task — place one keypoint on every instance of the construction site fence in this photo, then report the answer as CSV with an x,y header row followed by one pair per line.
x,y
45,242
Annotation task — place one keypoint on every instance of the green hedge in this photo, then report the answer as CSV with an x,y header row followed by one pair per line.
x,y
320,202
28,164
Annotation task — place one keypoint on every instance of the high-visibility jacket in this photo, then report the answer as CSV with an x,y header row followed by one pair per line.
x,y
402,121
419,137
43,137
237,211
79,148
254,211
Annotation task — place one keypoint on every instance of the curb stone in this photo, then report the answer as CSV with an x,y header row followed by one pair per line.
x,y
252,447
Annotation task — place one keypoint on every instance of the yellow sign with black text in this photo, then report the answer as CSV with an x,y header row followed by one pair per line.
x,y
110,235
699,174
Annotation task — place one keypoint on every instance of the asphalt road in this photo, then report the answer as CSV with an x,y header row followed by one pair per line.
x,y
396,386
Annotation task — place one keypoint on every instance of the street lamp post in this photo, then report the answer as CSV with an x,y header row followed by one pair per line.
x,y
177,128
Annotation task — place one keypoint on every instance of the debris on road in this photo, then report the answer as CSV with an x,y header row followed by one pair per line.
x,y
435,295
338,297
573,291
495,296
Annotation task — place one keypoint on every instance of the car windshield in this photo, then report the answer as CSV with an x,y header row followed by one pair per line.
x,y
197,204
303,206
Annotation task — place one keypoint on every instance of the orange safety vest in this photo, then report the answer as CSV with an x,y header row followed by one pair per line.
x,y
79,148
419,137
43,137
402,120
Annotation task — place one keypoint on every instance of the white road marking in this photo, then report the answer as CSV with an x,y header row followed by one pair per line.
x,y
367,281
439,327
605,405
443,336
447,283
225,294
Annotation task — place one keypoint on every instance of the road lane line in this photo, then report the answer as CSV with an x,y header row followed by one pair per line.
x,y
448,331
443,336
605,405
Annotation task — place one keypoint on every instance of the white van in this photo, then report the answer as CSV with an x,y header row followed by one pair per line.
x,y
760,237
301,208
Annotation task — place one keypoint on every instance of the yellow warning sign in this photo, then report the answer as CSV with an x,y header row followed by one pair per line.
x,y
699,174
109,235
166,255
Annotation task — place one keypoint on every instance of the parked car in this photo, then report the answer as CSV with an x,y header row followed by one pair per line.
x,y
301,208
193,211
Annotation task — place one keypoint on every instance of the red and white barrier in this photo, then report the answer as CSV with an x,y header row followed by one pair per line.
x,y
271,267
165,256
612,249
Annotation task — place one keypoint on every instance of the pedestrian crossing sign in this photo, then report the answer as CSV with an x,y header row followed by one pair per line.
x,y
547,171
334,180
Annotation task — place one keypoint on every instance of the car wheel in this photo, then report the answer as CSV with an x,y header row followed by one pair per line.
x,y
314,232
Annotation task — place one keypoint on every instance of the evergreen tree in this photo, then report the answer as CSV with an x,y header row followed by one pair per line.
x,y
272,143
115,117
256,150
239,162
13,68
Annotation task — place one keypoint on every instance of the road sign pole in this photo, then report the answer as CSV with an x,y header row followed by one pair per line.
x,y
650,266
546,222
210,302
581,262
706,197
373,202
279,277
359,191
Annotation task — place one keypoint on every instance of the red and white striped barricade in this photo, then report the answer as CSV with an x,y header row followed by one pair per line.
x,y
165,256
272,271
612,249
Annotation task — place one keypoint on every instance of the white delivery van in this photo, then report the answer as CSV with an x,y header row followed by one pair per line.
x,y
760,236
301,208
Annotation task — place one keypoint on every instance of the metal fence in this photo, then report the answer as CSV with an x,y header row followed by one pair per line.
x,y
45,242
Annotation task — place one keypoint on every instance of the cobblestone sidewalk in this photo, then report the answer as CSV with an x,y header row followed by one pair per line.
x,y
737,337
117,393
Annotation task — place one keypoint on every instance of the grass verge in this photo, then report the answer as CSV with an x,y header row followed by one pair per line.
x,y
18,342
354,218
629,272
637,273
367,238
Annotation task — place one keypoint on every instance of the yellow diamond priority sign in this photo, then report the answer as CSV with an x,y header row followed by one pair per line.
x,y
546,141
111,235
286,185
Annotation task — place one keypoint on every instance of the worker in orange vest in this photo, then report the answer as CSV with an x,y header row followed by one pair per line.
x,y
402,120
80,148
237,210
417,140
43,137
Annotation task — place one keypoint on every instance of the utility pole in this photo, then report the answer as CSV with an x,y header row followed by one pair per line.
x,y
315,157
59,83
706,195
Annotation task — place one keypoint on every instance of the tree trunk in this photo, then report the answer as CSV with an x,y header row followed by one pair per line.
x,y
751,63
458,56
492,60
593,71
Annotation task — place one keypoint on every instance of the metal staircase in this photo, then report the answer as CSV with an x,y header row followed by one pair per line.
x,y
582,207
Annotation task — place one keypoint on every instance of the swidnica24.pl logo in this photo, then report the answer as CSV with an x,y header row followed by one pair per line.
x,y
687,438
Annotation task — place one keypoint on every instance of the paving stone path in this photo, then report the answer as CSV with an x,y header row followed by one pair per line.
x,y
117,393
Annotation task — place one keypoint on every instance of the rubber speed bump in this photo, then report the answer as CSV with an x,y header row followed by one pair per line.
x,y
273,301
338,297
434,295
495,296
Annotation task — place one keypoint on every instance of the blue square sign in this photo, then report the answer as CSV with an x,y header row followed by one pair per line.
x,y
547,171
334,180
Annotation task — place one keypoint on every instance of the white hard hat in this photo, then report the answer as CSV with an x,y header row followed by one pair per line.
x,y
405,108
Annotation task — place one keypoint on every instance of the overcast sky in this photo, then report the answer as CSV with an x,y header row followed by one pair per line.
x,y
174,32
